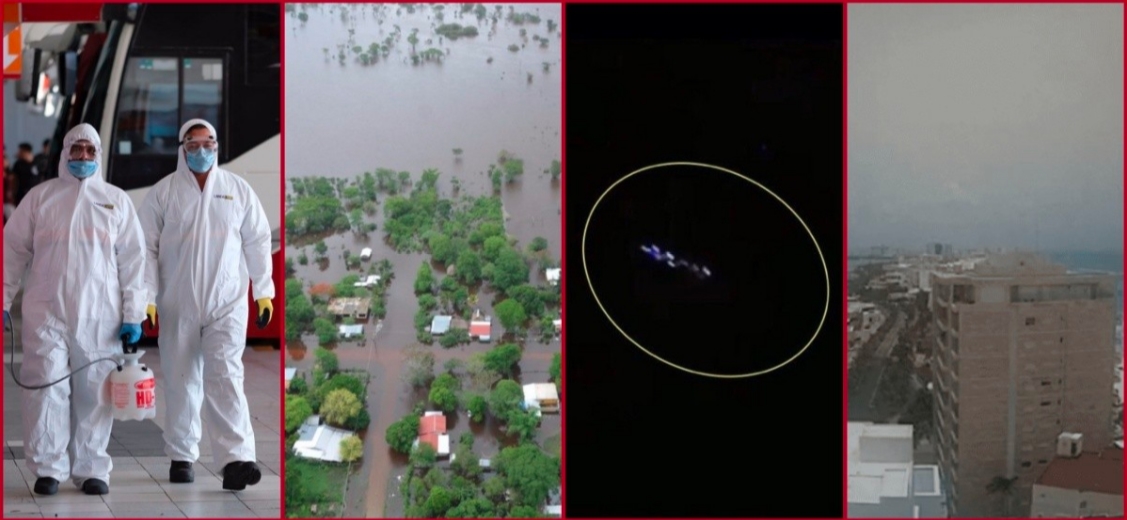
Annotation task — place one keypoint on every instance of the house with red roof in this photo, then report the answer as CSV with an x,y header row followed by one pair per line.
x,y
1080,484
432,431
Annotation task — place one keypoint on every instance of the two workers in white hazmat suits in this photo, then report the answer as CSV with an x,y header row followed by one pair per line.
x,y
77,246
206,237
93,263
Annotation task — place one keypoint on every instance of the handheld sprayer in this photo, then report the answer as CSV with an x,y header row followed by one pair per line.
x,y
132,384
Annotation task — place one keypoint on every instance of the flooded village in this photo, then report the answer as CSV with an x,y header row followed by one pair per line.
x,y
423,260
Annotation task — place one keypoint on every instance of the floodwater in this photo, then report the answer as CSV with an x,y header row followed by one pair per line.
x,y
343,120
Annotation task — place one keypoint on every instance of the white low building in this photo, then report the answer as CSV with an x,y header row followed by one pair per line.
x,y
371,281
320,442
883,481
553,276
350,331
543,397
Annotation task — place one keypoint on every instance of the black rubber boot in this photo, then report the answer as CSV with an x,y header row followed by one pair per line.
x,y
93,486
46,486
181,472
238,475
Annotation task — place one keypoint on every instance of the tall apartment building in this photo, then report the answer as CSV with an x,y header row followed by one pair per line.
x,y
1024,352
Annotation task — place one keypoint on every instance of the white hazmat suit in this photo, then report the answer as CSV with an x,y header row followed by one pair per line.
x,y
204,248
80,245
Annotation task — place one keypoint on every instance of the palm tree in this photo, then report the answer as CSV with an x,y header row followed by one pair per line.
x,y
1004,486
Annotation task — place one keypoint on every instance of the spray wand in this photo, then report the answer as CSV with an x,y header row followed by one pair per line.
x,y
12,366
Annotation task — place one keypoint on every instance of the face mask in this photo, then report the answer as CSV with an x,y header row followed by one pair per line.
x,y
82,169
201,160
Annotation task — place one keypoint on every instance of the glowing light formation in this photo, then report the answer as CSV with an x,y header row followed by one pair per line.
x,y
666,257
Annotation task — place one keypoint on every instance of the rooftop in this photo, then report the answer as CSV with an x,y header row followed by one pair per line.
x,y
432,422
350,330
879,465
324,445
348,306
432,431
480,328
440,324
1093,472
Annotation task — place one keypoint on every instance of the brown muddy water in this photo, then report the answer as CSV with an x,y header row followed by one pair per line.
x,y
343,120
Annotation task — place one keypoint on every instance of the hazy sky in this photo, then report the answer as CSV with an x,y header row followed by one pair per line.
x,y
986,125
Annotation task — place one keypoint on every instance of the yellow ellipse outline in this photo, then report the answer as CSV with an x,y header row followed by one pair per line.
x,y
821,256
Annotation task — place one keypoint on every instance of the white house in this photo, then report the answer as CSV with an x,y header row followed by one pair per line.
x,y
553,276
440,324
351,331
542,396
371,281
320,442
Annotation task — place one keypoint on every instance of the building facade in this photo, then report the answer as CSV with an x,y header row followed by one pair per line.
x,y
1023,352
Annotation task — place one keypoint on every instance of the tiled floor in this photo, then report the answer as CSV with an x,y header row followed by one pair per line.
x,y
139,486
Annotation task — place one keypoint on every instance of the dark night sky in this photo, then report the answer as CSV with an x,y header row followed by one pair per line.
x,y
758,90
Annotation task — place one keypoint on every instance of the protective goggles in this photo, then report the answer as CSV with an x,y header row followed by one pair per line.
x,y
82,150
207,144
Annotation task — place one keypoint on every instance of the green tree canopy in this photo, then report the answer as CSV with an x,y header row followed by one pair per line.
x,y
502,358
327,360
424,280
529,298
468,267
423,455
506,397
509,270
530,472
345,381
327,333
443,392
339,406
351,448
554,368
402,433
297,411
511,314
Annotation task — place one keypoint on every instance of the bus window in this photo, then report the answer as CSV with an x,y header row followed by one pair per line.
x,y
203,90
148,113
159,93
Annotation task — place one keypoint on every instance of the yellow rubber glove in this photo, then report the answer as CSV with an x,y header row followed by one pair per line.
x,y
265,312
151,312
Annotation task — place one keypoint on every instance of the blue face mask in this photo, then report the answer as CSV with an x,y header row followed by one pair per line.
x,y
201,160
82,169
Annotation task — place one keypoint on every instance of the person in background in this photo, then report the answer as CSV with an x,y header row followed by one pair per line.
x,y
27,175
42,160
10,186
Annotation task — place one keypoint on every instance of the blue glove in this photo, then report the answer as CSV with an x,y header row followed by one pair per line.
x,y
130,332
7,320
